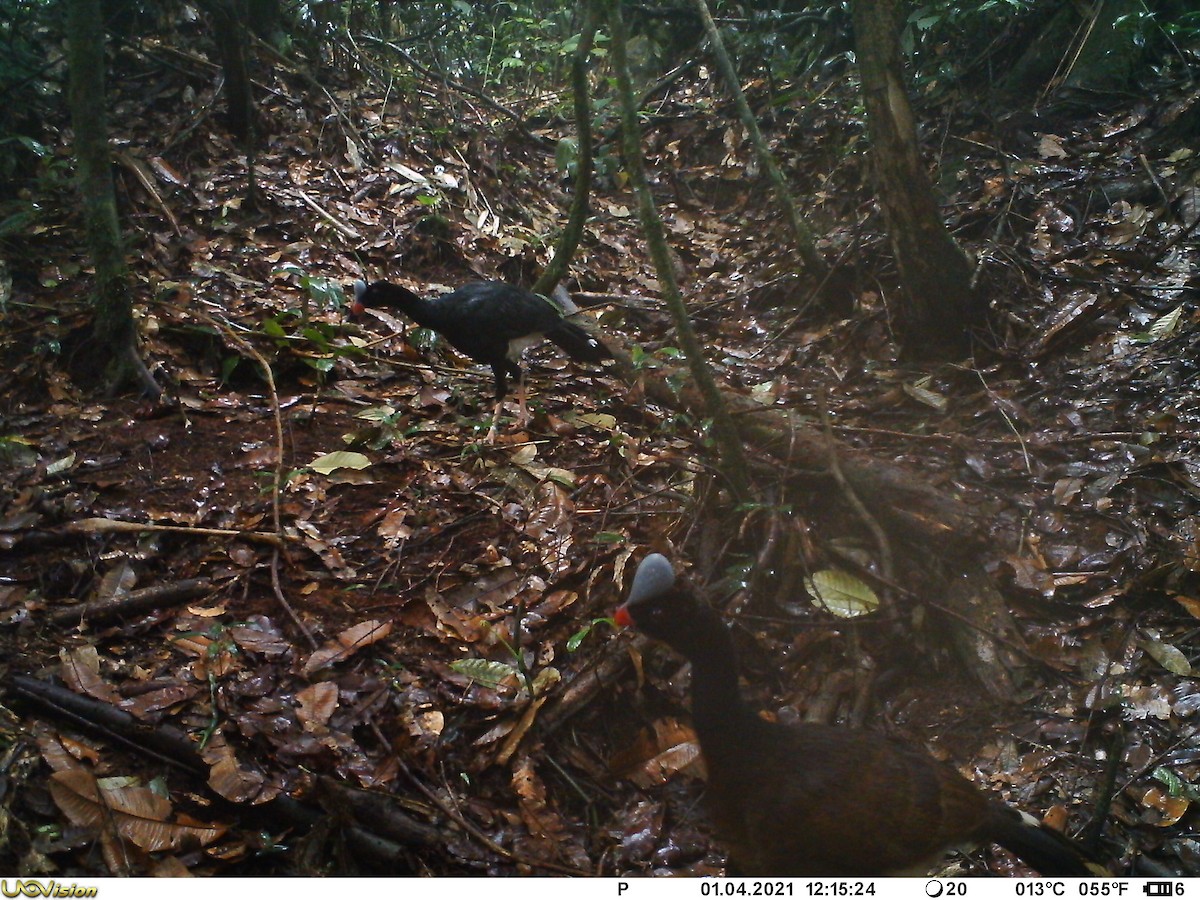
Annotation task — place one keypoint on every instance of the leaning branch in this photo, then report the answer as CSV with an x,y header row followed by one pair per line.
x,y
729,445
557,270
801,233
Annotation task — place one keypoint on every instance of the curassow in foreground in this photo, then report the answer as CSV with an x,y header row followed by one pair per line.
x,y
809,800
491,322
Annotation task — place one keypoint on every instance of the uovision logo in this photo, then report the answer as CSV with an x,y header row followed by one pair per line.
x,y
30,888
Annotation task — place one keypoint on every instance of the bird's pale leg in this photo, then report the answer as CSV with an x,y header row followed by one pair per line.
x,y
491,435
522,409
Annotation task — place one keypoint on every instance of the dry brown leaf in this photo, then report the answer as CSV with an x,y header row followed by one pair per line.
x,y
1056,817
192,644
265,640
657,755
78,750
1050,146
493,734
1031,575
117,582
225,776
451,621
429,724
364,634
60,754
155,701
169,867
164,171
329,555
551,604
1191,604
210,658
347,644
552,838
550,523
496,589
81,672
242,554
317,703
138,814
232,782
661,768
392,528
1166,810
121,857
514,738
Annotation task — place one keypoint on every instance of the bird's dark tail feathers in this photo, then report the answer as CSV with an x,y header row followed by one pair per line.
x,y
578,343
1050,853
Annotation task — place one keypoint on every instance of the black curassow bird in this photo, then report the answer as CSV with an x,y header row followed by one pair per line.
x,y
810,800
491,322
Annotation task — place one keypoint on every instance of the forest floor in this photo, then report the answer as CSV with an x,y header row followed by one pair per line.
x,y
432,628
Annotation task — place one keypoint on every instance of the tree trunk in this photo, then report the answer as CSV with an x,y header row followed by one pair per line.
x,y
939,307
229,25
112,343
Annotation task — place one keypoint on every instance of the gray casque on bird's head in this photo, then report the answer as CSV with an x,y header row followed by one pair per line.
x,y
360,288
654,577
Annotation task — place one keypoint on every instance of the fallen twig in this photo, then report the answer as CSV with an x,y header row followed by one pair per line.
x,y
342,228
133,602
120,526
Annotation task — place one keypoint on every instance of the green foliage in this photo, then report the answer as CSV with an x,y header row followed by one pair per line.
x,y
31,73
608,537
314,343
789,41
31,81
1176,787
512,48
566,156
18,152
642,360
938,18
490,673
574,641
17,452
495,674
1185,28
327,293
491,45
16,218
386,427
935,22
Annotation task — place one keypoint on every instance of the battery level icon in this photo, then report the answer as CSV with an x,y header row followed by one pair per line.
x,y
1159,888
